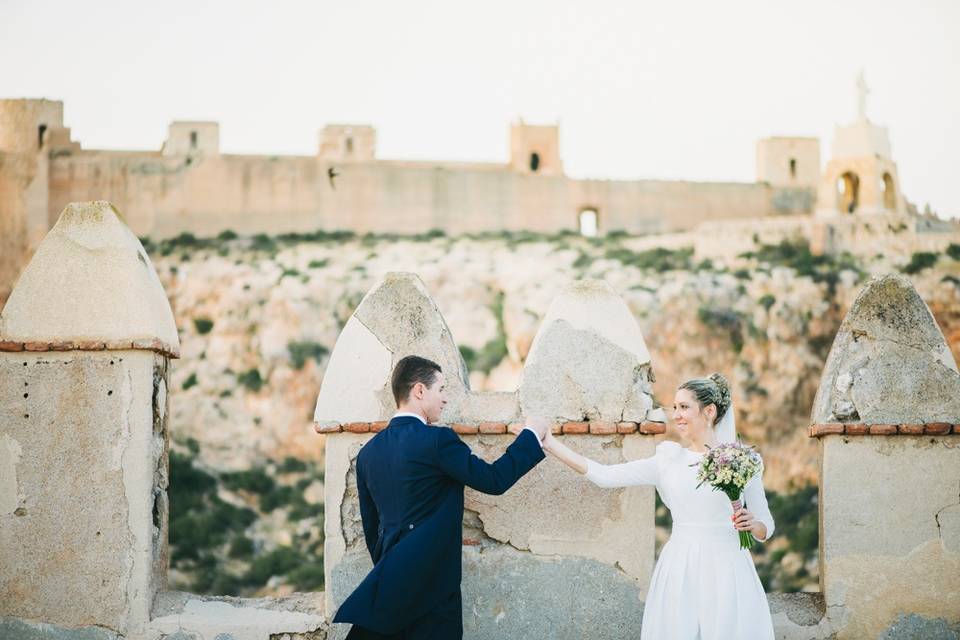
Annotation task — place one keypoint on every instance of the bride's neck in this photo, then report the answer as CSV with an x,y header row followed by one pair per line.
x,y
706,440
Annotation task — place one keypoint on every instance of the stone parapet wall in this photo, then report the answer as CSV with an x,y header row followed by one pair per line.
x,y
554,533
886,416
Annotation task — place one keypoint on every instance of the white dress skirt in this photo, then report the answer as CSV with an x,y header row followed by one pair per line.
x,y
704,586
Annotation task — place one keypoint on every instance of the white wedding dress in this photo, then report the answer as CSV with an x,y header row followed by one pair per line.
x,y
704,587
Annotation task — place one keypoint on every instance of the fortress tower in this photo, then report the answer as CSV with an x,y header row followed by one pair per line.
x,y
348,143
789,162
30,131
535,149
861,176
192,138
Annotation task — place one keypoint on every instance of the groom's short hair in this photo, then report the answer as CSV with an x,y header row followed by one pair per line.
x,y
408,372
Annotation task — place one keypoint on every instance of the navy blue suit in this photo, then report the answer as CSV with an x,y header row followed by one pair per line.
x,y
410,480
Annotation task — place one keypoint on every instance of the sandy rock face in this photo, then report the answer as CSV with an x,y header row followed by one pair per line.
x,y
889,363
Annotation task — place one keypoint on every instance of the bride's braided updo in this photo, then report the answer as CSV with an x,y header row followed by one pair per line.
x,y
713,390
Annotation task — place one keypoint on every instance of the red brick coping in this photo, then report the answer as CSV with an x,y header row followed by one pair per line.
x,y
596,428
147,344
928,429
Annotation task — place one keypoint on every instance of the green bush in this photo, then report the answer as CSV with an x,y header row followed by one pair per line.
x,y
583,261
492,353
658,259
919,261
767,301
726,320
280,496
199,519
288,271
190,381
318,264
301,510
797,518
203,325
954,251
301,351
796,254
226,235
251,380
274,563
432,234
292,465
241,547
254,480
263,242
308,577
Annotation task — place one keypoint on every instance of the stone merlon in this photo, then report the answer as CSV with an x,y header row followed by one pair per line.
x,y
90,286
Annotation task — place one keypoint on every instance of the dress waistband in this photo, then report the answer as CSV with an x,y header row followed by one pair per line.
x,y
704,532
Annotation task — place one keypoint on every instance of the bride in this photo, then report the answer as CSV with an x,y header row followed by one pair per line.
x,y
704,587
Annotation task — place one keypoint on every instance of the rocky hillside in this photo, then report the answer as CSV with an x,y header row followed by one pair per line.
x,y
259,316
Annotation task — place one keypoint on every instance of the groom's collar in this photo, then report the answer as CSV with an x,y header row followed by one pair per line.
x,y
406,416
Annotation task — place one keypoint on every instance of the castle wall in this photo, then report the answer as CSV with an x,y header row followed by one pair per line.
x,y
24,196
164,196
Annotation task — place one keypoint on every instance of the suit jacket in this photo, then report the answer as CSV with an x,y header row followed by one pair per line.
x,y
410,480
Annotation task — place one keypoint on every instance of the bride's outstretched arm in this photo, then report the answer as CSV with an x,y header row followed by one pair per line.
x,y
604,475
565,454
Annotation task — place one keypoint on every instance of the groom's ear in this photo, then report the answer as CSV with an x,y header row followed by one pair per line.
x,y
417,390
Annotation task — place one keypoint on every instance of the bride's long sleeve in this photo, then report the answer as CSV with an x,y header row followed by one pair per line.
x,y
627,474
756,501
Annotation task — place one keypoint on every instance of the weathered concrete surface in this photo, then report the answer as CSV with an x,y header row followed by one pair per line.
x,y
914,627
300,616
400,314
519,543
16,629
890,540
799,616
889,363
538,515
588,360
89,281
342,571
82,547
510,594
353,382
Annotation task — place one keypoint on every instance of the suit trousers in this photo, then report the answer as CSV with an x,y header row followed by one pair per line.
x,y
443,623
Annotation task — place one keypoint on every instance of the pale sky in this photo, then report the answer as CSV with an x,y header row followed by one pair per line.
x,y
672,89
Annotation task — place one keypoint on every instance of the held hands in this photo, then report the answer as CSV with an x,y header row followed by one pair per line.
x,y
539,425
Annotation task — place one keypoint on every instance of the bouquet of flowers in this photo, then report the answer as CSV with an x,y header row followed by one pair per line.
x,y
729,467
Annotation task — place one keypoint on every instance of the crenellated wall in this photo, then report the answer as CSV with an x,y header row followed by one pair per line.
x,y
85,343
554,534
886,415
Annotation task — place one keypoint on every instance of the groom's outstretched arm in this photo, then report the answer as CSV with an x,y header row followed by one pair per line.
x,y
456,459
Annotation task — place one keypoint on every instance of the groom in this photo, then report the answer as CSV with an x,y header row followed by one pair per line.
x,y
410,479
